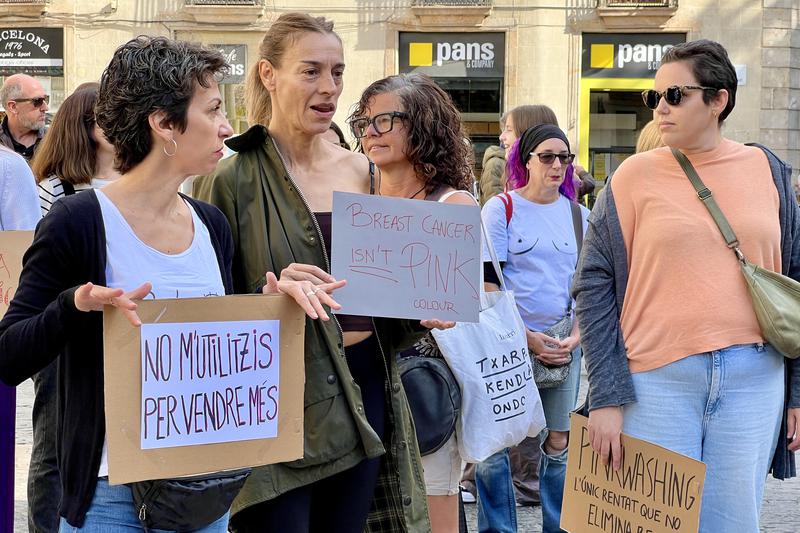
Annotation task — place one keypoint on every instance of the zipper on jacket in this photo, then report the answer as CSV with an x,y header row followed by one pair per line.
x,y
316,226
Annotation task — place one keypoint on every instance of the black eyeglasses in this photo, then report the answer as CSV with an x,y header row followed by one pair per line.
x,y
37,102
547,158
382,122
673,95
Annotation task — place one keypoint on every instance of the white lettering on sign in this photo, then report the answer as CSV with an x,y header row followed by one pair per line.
x,y
476,55
19,35
641,53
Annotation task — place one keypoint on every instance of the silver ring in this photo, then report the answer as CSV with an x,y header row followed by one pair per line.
x,y
311,293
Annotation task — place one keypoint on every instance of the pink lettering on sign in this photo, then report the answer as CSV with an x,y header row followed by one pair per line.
x,y
406,258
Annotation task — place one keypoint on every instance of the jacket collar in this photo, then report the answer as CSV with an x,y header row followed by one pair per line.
x,y
252,138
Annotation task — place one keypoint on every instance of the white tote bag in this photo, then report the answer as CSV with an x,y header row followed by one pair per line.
x,y
500,403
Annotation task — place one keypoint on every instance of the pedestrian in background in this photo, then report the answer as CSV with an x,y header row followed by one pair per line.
x,y
674,351
68,159
491,181
409,127
25,103
537,246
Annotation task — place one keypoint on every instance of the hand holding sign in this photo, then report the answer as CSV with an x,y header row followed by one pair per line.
x,y
91,297
308,295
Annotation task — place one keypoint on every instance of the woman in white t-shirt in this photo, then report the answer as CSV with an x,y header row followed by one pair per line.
x,y
533,232
160,106
74,156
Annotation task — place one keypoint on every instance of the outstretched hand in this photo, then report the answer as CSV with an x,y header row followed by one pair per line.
x,y
91,297
308,295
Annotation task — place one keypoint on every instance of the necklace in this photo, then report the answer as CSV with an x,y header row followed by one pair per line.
x,y
410,197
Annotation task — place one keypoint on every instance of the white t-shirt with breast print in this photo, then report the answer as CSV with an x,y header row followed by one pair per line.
x,y
540,252
130,262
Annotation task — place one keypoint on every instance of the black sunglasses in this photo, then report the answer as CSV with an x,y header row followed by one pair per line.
x,y
382,122
673,95
37,102
547,158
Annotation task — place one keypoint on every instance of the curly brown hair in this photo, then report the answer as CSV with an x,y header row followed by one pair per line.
x,y
437,146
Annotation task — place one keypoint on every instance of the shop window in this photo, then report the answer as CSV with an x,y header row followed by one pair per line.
x,y
615,120
477,98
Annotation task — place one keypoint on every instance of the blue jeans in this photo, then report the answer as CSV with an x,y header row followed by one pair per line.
x,y
112,511
557,403
723,408
497,510
44,481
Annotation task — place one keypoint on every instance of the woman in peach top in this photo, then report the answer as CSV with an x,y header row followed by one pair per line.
x,y
673,349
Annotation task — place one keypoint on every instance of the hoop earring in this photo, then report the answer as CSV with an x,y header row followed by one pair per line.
x,y
164,148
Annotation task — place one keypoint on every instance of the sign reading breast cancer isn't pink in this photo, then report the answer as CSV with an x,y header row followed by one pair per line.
x,y
406,258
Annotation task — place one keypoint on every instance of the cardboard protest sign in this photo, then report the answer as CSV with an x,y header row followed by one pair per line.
x,y
13,245
206,384
654,491
406,258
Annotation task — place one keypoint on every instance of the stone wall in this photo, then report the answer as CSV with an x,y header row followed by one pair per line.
x,y
780,80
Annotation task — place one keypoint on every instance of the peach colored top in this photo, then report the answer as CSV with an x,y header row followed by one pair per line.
x,y
685,292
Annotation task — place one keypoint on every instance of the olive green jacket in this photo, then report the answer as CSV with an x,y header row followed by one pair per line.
x,y
272,227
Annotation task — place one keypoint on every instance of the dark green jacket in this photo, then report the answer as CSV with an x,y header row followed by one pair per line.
x,y
272,227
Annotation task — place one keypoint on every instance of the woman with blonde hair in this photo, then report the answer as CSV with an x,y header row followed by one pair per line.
x,y
649,138
360,461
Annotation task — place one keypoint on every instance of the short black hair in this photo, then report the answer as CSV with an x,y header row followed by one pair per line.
x,y
145,75
711,67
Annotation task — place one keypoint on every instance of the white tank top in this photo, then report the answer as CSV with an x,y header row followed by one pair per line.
x,y
130,262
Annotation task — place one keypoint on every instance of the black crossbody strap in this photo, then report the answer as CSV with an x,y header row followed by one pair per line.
x,y
577,224
704,193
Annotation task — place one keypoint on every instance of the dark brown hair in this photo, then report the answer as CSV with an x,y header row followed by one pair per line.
x,y
69,150
711,67
437,145
146,75
281,35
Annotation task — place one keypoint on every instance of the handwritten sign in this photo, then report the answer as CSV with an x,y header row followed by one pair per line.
x,y
206,384
406,258
13,245
654,491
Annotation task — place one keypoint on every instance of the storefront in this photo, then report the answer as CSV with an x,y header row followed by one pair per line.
x,y
471,68
232,85
616,68
38,52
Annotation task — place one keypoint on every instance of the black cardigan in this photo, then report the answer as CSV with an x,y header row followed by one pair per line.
x,y
68,250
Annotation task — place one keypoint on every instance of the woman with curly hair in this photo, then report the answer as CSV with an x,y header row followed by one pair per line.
x,y
411,130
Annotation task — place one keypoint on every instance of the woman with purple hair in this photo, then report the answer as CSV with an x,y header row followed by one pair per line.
x,y
536,230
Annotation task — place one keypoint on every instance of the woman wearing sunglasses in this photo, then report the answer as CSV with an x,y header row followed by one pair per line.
x,y
533,232
673,348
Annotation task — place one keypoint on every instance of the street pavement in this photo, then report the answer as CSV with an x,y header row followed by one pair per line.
x,y
780,512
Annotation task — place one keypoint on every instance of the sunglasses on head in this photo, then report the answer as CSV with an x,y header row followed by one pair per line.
x,y
673,95
547,158
37,102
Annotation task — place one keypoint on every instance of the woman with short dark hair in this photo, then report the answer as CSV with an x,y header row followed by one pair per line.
x,y
674,351
159,105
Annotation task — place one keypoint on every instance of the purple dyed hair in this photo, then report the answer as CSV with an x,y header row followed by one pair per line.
x,y
517,174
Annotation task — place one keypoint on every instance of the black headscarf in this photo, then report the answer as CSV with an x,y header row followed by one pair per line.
x,y
533,137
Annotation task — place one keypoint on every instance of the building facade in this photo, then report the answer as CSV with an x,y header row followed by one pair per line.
x,y
587,59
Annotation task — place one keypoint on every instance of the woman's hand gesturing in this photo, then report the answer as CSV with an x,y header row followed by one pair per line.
x,y
91,297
